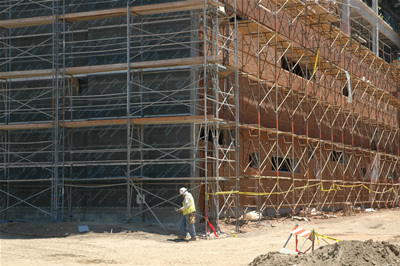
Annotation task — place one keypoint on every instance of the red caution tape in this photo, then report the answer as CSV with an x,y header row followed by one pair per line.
x,y
212,227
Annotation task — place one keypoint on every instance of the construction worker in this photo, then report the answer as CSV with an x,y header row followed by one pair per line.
x,y
188,219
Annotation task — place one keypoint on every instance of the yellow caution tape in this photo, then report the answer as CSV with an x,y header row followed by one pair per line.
x,y
327,237
359,185
377,192
334,187
224,192
316,62
323,240
221,193
317,239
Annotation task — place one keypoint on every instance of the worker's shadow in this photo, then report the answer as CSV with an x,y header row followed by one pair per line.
x,y
176,240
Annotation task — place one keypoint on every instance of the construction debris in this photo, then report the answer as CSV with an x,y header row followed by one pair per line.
x,y
309,212
300,218
83,228
253,215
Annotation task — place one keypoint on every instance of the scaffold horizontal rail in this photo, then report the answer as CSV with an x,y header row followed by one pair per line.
x,y
321,11
172,7
113,122
109,13
189,61
295,6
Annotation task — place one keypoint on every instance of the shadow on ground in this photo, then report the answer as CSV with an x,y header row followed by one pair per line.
x,y
17,230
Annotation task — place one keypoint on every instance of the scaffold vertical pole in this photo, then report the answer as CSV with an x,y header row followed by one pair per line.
x,y
128,114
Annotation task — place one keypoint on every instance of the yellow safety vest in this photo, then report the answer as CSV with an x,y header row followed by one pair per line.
x,y
191,208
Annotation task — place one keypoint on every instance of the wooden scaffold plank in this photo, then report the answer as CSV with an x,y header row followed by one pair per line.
x,y
115,122
189,61
109,13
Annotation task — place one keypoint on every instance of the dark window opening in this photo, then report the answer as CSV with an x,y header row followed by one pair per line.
x,y
253,160
374,147
239,16
285,165
345,91
363,171
311,152
223,137
393,177
338,156
210,136
294,68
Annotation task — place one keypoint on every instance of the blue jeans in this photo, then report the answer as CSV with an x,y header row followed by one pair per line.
x,y
185,223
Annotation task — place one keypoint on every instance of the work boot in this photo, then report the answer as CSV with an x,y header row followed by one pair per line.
x,y
192,239
181,237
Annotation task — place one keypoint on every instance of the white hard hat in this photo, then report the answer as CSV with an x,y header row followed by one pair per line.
x,y
182,190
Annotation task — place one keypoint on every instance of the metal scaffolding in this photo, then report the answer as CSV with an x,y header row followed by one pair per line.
x,y
254,105
323,129
64,119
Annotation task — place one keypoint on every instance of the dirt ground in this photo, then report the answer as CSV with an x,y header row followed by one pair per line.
x,y
112,243
348,252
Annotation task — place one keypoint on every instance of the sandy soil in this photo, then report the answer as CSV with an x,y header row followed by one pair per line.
x,y
347,252
110,243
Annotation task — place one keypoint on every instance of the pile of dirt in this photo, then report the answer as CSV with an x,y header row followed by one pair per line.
x,y
341,253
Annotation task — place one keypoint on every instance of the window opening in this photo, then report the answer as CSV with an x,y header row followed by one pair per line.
x,y
345,91
338,156
253,160
285,165
294,68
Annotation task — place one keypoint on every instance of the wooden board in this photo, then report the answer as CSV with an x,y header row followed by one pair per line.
x,y
109,13
107,68
26,126
138,121
171,7
26,74
94,15
26,22
321,11
114,122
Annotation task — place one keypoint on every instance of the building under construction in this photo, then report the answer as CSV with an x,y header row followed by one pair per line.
x,y
108,107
